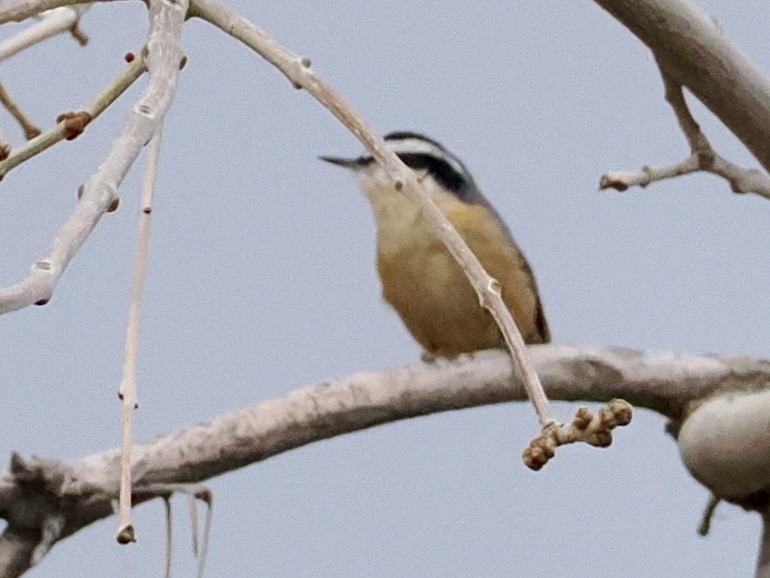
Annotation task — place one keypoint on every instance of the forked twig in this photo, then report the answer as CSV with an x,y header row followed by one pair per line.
x,y
703,158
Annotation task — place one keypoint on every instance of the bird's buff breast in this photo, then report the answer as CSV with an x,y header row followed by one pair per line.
x,y
424,284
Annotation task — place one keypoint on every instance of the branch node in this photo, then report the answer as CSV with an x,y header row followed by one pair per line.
x,y
114,205
74,123
126,535
702,157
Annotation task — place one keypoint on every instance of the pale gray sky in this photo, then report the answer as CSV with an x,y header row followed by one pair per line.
x,y
262,280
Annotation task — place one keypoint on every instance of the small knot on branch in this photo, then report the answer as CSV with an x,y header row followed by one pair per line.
x,y
593,429
126,535
74,123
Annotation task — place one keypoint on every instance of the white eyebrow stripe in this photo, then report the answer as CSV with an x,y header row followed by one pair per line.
x,y
417,146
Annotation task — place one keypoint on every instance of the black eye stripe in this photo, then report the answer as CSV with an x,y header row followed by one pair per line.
x,y
441,170
422,153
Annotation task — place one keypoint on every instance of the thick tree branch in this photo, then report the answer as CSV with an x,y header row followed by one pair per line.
x,y
34,492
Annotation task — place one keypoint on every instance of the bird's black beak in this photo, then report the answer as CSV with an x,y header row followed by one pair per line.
x,y
346,163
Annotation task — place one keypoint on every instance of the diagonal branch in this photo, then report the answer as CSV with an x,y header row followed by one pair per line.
x,y
299,72
51,23
30,129
97,106
19,11
101,190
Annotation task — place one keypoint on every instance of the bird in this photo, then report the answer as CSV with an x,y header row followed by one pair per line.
x,y
420,278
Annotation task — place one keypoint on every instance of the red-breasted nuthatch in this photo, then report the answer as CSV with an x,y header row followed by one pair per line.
x,y
420,279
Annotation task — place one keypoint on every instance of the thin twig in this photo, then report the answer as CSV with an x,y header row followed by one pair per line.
x,y
699,144
169,534
30,129
194,523
708,514
50,24
299,72
97,106
128,388
19,11
100,192
763,560
703,157
207,497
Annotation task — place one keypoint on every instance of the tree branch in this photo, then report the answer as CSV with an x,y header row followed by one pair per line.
x,y
63,130
34,491
300,73
19,11
101,190
692,52
51,23
763,561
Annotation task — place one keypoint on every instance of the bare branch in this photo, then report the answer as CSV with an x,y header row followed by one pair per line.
x,y
128,386
101,191
22,10
50,24
35,491
96,107
692,52
702,158
695,53
29,128
623,180
763,560
299,72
